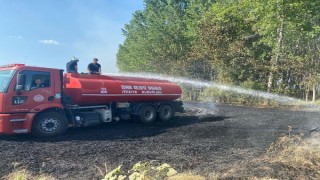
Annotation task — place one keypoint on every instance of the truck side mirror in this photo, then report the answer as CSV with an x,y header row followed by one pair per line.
x,y
20,82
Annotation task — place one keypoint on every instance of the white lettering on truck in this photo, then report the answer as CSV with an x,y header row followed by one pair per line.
x,y
128,89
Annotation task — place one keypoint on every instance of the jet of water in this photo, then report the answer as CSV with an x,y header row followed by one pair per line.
x,y
197,83
212,110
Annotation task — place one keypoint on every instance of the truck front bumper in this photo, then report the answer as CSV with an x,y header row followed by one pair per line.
x,y
5,124
14,124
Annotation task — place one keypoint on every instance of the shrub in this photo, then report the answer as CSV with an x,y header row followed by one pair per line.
x,y
142,171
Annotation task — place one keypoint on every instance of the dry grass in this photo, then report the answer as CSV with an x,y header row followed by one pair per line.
x,y
26,175
187,176
291,157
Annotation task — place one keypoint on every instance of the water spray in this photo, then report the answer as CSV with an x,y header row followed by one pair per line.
x,y
206,84
197,83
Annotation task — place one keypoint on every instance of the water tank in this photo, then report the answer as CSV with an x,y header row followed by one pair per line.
x,y
87,89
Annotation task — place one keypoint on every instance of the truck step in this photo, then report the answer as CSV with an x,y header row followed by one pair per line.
x,y
20,131
17,120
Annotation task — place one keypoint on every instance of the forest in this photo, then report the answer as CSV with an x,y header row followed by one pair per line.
x,y
266,45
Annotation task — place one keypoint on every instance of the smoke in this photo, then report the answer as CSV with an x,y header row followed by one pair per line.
x,y
202,110
207,109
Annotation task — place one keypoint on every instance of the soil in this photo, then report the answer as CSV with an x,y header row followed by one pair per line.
x,y
208,138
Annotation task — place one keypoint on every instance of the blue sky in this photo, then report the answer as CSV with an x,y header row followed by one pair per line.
x,y
49,33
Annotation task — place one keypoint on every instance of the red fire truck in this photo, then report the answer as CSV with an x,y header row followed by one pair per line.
x,y
65,100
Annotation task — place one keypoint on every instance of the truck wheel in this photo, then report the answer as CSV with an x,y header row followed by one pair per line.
x,y
166,112
49,124
148,114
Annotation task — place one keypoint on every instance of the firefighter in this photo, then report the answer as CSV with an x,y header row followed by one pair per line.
x,y
94,67
72,66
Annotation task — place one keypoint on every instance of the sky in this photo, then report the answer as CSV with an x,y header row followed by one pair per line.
x,y
48,33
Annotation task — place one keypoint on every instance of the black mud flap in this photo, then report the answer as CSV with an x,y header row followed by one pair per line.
x,y
178,106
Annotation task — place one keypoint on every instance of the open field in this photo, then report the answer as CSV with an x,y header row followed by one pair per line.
x,y
191,142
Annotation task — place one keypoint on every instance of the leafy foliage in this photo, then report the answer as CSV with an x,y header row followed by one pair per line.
x,y
142,171
272,45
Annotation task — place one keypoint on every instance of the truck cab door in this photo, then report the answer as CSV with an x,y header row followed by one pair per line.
x,y
38,89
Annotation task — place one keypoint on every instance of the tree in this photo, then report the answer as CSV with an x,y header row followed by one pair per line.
x,y
282,23
158,37
267,45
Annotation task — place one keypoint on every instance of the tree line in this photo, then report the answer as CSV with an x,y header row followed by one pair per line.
x,y
269,45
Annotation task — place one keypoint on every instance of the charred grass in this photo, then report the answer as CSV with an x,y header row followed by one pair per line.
x,y
290,157
232,143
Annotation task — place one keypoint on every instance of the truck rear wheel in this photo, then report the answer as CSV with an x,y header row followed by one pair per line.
x,y
148,114
166,112
49,124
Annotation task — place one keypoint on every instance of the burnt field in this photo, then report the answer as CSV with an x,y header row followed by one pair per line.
x,y
207,138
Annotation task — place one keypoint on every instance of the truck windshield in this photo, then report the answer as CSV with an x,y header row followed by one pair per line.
x,y
5,78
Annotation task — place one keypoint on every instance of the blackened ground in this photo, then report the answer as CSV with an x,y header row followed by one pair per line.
x,y
207,138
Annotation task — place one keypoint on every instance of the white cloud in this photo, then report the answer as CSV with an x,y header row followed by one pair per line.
x,y
49,42
15,36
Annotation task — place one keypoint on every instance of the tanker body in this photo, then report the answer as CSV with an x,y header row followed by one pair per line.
x,y
85,89
65,100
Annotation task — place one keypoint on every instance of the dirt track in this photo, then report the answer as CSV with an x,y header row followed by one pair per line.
x,y
193,142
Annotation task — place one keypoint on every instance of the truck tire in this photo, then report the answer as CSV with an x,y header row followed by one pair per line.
x,y
166,112
148,114
49,124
